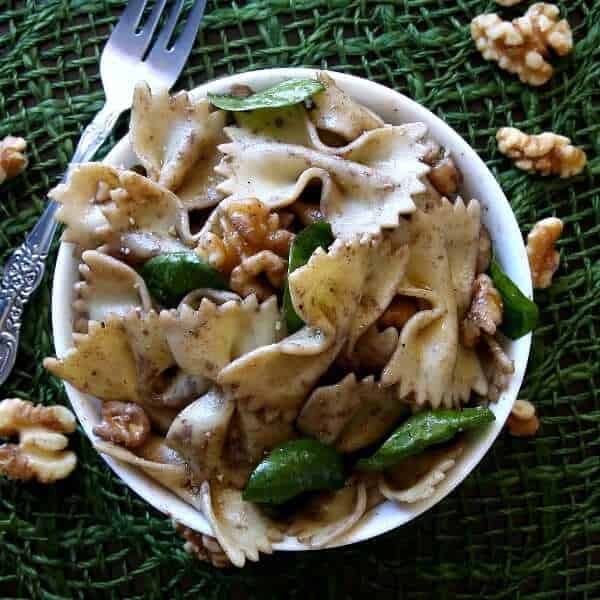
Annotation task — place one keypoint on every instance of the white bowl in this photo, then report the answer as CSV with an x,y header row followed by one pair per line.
x,y
508,244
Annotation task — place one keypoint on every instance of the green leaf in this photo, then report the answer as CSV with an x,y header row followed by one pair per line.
x,y
317,235
423,430
295,467
170,277
520,314
282,94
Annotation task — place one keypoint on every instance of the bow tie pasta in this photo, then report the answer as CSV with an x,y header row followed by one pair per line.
x,y
282,283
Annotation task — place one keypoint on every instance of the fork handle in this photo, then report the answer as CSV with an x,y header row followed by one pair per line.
x,y
24,270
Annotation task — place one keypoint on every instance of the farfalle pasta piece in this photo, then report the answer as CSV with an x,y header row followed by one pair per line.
x,y
81,203
199,433
374,349
241,529
253,435
325,293
385,273
108,286
327,290
428,360
101,363
287,125
206,340
141,206
355,198
175,138
351,414
40,453
156,459
154,360
415,478
461,228
336,112
329,409
180,391
329,515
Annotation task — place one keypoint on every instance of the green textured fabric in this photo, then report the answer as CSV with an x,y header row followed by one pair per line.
x,y
526,523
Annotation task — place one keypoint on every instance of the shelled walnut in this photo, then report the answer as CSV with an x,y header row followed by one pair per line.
x,y
543,258
261,274
204,547
123,423
12,158
40,453
546,153
445,176
521,46
523,421
247,227
485,312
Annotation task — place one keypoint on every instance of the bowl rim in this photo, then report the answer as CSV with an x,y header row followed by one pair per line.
x,y
511,254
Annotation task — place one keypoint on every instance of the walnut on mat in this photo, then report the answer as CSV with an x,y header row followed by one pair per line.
x,y
546,153
40,453
521,46
12,158
523,421
543,258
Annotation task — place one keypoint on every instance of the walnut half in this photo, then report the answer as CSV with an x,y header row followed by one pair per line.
x,y
485,312
246,277
546,153
521,46
40,453
123,423
523,421
246,228
12,158
204,547
543,258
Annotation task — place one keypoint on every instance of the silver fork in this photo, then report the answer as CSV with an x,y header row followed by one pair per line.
x,y
123,63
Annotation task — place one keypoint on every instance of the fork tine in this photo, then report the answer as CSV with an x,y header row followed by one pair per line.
x,y
131,17
170,62
183,44
145,36
167,30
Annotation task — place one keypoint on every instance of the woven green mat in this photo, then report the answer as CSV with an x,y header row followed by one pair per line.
x,y
526,524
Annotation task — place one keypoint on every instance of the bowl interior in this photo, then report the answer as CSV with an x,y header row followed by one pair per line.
x,y
508,244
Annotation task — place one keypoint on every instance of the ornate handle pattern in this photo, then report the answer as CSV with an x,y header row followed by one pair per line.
x,y
24,270
22,275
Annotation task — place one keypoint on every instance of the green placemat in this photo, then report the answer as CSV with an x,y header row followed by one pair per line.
x,y
526,524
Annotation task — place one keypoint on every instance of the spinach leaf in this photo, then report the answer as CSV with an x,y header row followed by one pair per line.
x,y
282,94
520,315
423,430
170,277
295,467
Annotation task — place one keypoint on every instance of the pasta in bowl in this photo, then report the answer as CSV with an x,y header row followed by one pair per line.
x,y
278,312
